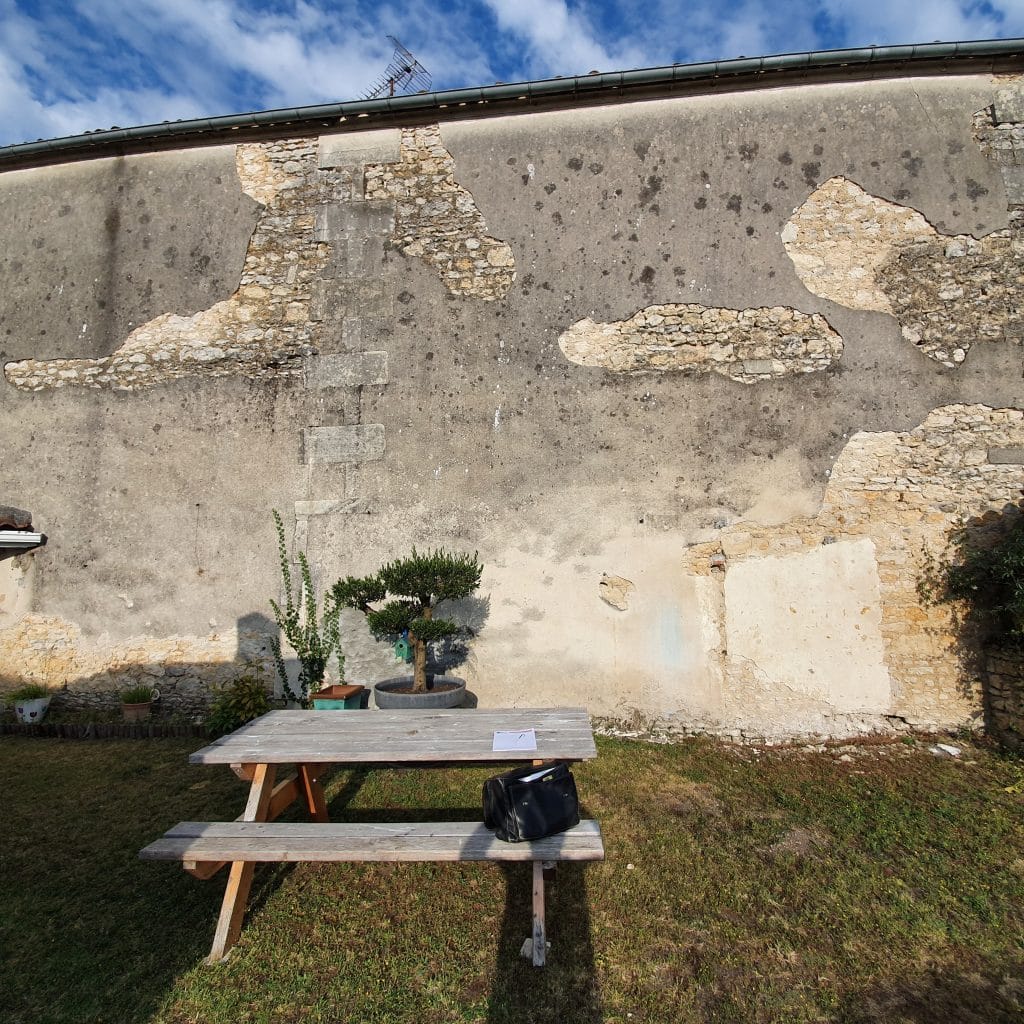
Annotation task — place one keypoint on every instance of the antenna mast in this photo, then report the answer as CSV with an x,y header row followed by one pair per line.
x,y
404,74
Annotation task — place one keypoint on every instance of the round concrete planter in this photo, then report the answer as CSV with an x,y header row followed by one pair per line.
x,y
385,697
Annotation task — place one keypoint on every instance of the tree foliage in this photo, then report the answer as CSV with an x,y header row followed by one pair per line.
x,y
411,588
986,572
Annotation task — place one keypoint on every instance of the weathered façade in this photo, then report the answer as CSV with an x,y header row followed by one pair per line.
x,y
700,377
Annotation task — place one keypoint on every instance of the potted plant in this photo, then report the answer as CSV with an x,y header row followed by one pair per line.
x,y
30,702
312,640
137,701
408,590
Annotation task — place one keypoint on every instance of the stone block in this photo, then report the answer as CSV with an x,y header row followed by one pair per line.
x,y
325,507
355,256
1013,179
1009,105
331,445
1006,456
343,220
350,297
347,371
381,146
365,297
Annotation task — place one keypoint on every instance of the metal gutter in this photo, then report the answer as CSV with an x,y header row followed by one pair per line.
x,y
620,86
20,540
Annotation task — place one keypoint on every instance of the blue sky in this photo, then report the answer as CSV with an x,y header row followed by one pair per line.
x,y
69,66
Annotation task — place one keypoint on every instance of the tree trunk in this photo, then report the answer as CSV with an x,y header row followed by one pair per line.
x,y
419,678
419,650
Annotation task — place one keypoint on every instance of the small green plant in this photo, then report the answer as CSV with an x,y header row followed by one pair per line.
x,y
137,695
236,703
29,691
1017,786
417,584
312,640
986,573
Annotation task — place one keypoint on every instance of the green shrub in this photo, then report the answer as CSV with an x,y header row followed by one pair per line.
x,y
29,691
237,703
986,573
137,695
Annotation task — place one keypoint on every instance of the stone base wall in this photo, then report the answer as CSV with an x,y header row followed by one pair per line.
x,y
1004,685
89,675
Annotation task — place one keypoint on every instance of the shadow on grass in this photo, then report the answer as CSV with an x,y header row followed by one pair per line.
x,y
942,995
90,932
566,989
563,992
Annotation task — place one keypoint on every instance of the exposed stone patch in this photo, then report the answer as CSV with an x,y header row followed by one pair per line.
x,y
264,329
839,237
437,219
615,590
260,176
745,345
946,291
999,132
89,675
949,293
1004,681
801,843
906,492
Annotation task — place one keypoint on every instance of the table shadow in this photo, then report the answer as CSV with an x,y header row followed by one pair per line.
x,y
566,990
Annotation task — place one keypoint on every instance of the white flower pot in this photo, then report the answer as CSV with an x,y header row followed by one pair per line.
x,y
31,712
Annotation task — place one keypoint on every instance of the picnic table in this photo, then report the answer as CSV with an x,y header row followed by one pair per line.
x,y
314,741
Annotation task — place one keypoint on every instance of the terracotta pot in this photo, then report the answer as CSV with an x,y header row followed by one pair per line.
x,y
136,712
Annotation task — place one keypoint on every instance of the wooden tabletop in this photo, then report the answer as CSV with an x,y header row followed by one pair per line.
x,y
369,736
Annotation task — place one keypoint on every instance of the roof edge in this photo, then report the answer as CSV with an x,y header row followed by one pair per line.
x,y
869,62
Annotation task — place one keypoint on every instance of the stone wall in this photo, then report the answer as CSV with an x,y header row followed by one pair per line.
x,y
264,328
892,653
437,220
745,345
89,675
700,378
947,293
1004,698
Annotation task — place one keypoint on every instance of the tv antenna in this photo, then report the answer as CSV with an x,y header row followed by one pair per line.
x,y
404,74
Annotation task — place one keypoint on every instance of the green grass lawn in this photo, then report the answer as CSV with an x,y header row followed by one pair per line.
x,y
737,887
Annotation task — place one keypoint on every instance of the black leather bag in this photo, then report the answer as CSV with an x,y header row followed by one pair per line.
x,y
531,802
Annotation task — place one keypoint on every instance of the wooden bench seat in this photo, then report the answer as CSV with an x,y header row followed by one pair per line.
x,y
204,846
199,841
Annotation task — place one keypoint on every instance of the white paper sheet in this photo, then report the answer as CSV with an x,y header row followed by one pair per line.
x,y
518,739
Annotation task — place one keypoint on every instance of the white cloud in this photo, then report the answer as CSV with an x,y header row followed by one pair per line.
x,y
560,40
884,22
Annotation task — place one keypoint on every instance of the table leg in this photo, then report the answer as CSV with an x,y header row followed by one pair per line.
x,y
229,924
310,776
539,938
